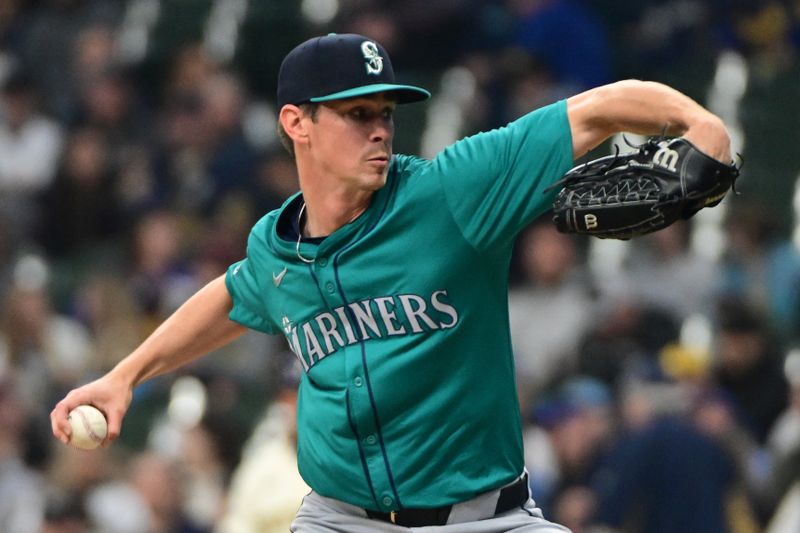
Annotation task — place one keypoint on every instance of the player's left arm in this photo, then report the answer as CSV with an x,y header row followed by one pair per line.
x,y
645,108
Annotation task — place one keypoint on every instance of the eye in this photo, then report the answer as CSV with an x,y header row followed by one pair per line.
x,y
358,113
366,114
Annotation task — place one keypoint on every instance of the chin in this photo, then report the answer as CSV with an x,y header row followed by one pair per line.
x,y
376,186
375,182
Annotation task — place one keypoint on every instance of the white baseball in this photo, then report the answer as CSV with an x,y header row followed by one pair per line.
x,y
89,427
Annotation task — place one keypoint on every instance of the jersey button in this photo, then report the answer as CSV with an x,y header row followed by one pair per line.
x,y
358,382
387,501
322,262
330,288
371,439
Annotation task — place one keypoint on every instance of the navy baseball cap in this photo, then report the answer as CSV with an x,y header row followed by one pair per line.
x,y
338,66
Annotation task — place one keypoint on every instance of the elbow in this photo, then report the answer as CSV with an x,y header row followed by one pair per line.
x,y
590,110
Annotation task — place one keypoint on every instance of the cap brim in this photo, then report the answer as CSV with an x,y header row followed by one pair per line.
x,y
406,94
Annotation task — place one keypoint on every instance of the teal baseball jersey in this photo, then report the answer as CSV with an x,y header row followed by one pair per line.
x,y
401,321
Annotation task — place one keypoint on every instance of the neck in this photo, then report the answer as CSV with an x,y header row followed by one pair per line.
x,y
330,203
324,214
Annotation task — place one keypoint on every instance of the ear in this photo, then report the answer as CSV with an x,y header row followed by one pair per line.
x,y
291,117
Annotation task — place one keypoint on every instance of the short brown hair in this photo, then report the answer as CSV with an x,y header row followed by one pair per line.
x,y
309,109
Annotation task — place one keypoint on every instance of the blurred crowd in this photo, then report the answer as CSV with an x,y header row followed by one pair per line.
x,y
659,379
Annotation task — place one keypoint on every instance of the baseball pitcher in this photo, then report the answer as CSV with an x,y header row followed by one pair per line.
x,y
388,276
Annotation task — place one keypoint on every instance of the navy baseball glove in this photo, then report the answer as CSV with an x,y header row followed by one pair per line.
x,y
623,196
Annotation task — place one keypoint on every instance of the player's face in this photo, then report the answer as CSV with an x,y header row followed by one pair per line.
x,y
351,140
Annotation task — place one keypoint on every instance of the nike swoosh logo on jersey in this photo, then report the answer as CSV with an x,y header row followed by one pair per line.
x,y
277,279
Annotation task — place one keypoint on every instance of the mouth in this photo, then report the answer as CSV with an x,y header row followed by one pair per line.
x,y
379,163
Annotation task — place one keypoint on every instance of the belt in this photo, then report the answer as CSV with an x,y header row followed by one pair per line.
x,y
510,497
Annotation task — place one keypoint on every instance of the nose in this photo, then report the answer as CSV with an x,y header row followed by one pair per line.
x,y
382,130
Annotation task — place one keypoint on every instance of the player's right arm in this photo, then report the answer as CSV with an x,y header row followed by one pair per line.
x,y
199,326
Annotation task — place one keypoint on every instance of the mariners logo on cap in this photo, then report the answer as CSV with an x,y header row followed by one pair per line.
x,y
374,62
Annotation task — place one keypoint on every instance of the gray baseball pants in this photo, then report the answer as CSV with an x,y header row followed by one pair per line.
x,y
319,514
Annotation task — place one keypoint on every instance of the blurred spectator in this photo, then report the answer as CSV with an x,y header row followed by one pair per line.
x,y
550,311
191,68
110,105
662,475
266,489
231,158
198,438
107,308
630,335
575,508
376,23
275,180
156,482
763,269
787,517
158,266
567,38
663,271
784,439
223,238
763,31
30,145
205,154
665,477
415,27
572,428
75,472
180,162
51,43
81,208
98,483
713,413
15,20
93,51
204,472
21,488
64,513
528,83
749,367
117,507
47,351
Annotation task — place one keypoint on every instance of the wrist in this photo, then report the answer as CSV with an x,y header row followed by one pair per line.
x,y
124,375
709,135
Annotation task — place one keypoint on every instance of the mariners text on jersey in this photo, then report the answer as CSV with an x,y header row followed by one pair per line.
x,y
387,316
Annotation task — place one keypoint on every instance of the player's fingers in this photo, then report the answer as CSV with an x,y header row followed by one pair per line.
x,y
60,413
114,426
58,421
114,420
